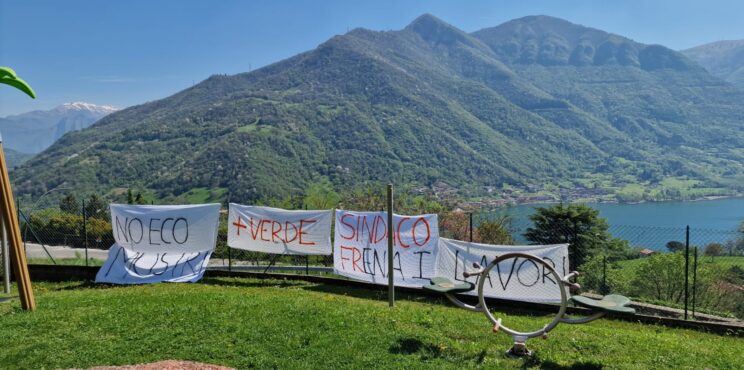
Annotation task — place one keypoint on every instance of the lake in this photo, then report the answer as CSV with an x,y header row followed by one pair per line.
x,y
653,224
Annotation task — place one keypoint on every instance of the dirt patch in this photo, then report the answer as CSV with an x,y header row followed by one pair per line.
x,y
165,365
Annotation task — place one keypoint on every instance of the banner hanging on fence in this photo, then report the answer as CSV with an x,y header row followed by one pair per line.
x,y
160,243
172,229
274,230
360,247
516,279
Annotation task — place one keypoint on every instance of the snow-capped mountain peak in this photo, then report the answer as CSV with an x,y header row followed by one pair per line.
x,y
105,109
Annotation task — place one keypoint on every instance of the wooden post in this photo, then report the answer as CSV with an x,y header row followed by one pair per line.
x,y
17,254
6,257
391,280
694,282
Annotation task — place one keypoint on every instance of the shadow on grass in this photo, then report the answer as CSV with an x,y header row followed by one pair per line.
x,y
376,293
262,283
534,361
411,346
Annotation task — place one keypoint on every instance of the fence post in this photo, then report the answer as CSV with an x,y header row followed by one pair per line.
x,y
694,282
229,258
85,233
391,287
604,275
307,265
470,226
687,264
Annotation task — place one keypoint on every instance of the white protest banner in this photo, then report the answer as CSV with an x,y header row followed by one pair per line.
x,y
516,279
160,243
174,229
125,266
274,230
360,247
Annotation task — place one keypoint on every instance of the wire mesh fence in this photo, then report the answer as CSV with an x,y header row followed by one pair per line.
x,y
680,267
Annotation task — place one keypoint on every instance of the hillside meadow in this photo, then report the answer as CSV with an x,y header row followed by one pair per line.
x,y
250,323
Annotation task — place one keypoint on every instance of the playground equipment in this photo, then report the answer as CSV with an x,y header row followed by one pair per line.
x,y
614,304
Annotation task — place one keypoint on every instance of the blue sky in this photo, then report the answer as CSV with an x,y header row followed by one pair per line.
x,y
128,52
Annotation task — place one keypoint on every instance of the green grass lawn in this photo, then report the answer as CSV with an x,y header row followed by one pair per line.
x,y
250,323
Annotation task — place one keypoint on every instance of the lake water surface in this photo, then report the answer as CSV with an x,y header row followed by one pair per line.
x,y
653,224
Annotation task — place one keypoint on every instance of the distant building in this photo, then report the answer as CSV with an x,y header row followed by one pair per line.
x,y
646,252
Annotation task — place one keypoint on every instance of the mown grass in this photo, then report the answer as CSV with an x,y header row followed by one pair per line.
x,y
250,323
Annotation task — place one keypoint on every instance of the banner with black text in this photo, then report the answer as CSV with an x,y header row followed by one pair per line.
x,y
516,279
160,243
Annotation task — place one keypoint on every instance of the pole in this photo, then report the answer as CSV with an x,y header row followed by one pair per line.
x,y
694,282
307,265
687,263
470,226
391,286
229,258
85,233
17,254
6,257
604,275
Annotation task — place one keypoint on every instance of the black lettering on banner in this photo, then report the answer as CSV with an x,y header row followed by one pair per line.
x,y
537,272
484,263
141,227
188,262
162,259
366,262
162,227
175,266
132,262
121,228
175,224
546,273
150,230
457,254
157,256
112,262
399,269
376,263
421,264
511,272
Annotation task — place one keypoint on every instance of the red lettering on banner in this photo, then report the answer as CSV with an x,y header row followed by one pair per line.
x,y
262,226
275,232
400,240
343,248
286,228
239,225
356,255
428,231
302,223
350,226
254,232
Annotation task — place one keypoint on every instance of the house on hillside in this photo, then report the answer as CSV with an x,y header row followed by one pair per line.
x,y
645,252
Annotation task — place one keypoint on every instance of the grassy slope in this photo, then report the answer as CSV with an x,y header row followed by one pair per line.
x,y
280,324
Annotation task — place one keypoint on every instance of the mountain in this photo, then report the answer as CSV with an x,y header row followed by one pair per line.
x,y
15,158
534,101
724,59
33,132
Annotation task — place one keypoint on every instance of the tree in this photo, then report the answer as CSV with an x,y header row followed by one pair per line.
x,y
675,246
95,207
661,276
495,231
321,195
578,225
69,204
130,197
713,249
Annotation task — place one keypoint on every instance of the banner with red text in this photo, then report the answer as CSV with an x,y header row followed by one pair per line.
x,y
518,279
280,231
360,247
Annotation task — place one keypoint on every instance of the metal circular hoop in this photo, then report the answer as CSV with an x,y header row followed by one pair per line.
x,y
514,333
